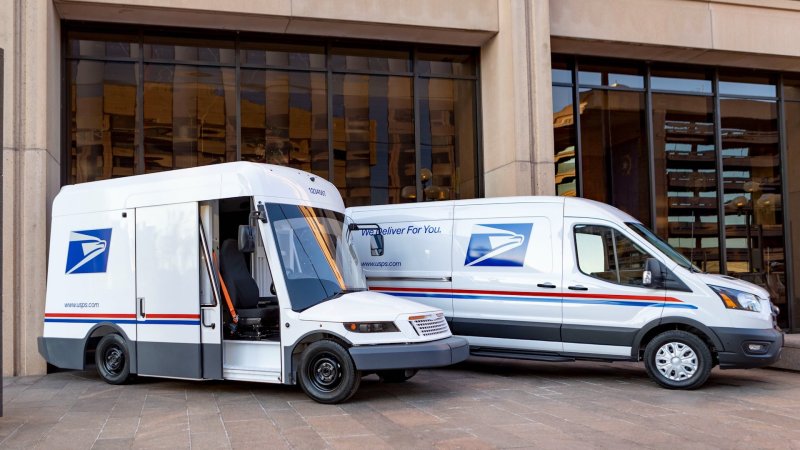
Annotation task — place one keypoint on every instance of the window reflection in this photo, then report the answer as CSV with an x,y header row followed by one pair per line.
x,y
189,116
792,118
284,119
103,120
611,76
564,139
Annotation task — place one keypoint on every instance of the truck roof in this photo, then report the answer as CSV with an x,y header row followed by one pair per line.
x,y
217,181
573,207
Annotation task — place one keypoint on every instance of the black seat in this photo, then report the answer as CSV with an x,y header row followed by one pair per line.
x,y
242,289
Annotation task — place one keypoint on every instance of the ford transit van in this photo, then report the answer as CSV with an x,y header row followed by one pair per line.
x,y
237,271
560,279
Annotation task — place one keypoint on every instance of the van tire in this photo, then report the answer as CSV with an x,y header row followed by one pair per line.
x,y
112,359
676,346
396,376
327,372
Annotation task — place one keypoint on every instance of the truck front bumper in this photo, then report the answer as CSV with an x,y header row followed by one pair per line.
x,y
738,353
421,355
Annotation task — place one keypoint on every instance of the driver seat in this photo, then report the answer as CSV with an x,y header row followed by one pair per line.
x,y
243,290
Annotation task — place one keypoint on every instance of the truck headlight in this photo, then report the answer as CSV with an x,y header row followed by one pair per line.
x,y
371,327
735,299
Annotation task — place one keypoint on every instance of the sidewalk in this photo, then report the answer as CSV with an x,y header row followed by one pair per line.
x,y
790,357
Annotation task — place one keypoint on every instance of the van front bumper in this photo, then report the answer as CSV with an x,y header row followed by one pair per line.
x,y
421,355
737,353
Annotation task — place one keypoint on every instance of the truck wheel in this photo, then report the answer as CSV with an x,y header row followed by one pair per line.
x,y
396,376
678,360
327,373
112,359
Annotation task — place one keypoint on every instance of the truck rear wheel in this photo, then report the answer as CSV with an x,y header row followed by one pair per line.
x,y
112,359
396,376
678,360
327,373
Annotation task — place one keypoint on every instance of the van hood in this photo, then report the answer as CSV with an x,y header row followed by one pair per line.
x,y
733,283
366,306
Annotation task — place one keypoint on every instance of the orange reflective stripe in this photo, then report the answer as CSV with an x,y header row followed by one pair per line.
x,y
225,293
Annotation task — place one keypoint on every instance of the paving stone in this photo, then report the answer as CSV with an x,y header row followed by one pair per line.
x,y
112,444
212,440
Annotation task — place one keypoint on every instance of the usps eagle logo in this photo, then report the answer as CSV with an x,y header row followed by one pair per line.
x,y
502,245
88,251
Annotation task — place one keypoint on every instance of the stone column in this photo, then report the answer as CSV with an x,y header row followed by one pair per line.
x,y
30,35
516,97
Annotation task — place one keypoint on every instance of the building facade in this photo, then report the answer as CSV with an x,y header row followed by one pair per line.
x,y
684,113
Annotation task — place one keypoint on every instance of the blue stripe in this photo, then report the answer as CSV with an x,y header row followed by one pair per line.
x,y
637,303
129,322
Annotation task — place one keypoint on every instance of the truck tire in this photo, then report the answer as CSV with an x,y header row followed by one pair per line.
x,y
327,373
112,359
678,360
396,376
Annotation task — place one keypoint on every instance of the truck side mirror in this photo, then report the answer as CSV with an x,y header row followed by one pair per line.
x,y
376,245
652,275
247,239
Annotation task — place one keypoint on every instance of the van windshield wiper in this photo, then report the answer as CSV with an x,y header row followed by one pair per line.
x,y
341,293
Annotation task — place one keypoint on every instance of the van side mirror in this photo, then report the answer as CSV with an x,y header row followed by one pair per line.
x,y
376,245
247,239
652,276
376,236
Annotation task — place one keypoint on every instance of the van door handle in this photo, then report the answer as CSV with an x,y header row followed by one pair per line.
x,y
578,287
546,285
141,306
203,313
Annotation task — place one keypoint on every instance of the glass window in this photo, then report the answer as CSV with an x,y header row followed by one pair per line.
x,y
102,120
791,87
564,139
561,71
189,116
373,138
681,80
777,282
614,150
609,255
103,45
747,84
284,117
686,176
458,63
368,59
610,75
296,56
189,50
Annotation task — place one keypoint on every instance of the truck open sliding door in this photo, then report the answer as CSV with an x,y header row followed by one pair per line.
x,y
167,291
210,303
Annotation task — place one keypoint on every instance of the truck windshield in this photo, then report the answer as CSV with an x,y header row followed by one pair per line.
x,y
664,247
317,264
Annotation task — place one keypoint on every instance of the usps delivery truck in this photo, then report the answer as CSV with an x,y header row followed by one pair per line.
x,y
560,279
236,271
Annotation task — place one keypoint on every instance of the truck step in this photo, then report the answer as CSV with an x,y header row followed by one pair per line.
x,y
517,354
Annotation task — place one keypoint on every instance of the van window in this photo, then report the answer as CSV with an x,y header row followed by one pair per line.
x,y
607,254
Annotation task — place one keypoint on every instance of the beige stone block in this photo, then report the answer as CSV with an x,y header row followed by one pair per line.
x,y
260,7
511,179
755,30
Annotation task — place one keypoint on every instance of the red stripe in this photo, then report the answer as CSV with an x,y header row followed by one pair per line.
x,y
110,316
173,316
531,294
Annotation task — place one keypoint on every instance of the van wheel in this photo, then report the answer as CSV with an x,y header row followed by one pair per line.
x,y
327,373
396,376
112,359
678,360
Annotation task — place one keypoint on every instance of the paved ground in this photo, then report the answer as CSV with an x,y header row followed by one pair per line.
x,y
479,404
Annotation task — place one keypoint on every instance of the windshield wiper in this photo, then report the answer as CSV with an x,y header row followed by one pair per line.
x,y
341,293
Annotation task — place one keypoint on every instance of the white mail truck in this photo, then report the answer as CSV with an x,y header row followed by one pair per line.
x,y
237,271
560,279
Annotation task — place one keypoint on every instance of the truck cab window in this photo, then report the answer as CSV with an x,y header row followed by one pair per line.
x,y
607,254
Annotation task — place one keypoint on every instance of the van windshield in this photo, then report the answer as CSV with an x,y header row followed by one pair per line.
x,y
664,247
317,264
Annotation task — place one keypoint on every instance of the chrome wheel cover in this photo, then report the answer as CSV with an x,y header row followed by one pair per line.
x,y
676,361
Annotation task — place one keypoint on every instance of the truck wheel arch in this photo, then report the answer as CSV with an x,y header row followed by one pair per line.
x,y
655,327
292,352
97,332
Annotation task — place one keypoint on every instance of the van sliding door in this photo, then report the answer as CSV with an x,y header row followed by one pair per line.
x,y
167,291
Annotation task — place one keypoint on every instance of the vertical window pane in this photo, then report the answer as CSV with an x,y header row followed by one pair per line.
x,y
447,138
686,177
564,140
614,150
189,116
792,115
285,119
753,203
373,127
102,120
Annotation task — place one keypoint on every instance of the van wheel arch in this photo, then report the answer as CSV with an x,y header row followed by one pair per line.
x,y
98,332
656,327
294,352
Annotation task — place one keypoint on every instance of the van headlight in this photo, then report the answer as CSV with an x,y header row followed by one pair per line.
x,y
735,299
371,327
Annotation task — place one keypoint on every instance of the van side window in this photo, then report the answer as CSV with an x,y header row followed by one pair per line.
x,y
607,254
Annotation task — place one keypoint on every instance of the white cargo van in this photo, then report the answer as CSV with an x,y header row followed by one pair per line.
x,y
235,271
558,279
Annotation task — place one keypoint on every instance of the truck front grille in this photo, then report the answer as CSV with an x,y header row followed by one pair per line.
x,y
431,325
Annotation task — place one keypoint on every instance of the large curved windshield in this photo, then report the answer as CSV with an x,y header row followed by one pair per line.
x,y
317,264
664,247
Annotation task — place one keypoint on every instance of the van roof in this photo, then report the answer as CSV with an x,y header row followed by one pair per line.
x,y
217,181
573,206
